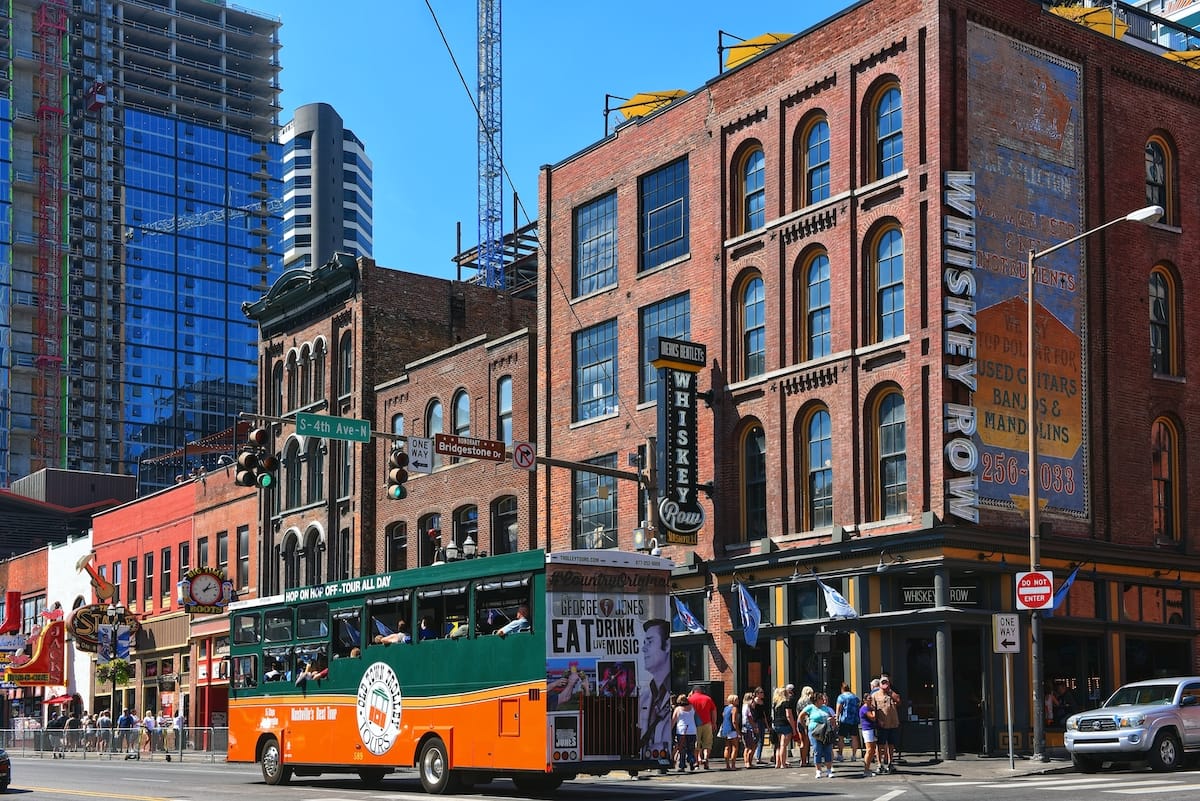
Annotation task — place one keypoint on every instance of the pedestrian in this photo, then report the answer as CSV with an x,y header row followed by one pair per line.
x,y
750,742
731,721
706,714
104,731
180,730
150,732
821,725
684,723
886,703
54,731
802,738
866,725
847,721
126,729
761,714
72,728
783,724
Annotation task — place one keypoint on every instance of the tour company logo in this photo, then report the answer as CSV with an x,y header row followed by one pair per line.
x,y
378,708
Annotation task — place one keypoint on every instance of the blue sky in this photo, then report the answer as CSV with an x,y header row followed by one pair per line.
x,y
383,66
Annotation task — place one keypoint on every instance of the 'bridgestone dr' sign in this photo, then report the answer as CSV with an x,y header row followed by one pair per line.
x,y
679,510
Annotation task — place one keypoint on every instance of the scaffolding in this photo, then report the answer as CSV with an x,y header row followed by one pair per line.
x,y
50,28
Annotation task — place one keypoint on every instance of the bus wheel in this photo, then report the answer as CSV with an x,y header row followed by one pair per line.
x,y
434,767
537,783
273,769
371,777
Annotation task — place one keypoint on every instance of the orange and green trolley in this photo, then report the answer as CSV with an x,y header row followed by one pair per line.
x,y
533,666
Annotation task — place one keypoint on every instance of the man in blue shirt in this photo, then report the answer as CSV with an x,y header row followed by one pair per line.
x,y
520,624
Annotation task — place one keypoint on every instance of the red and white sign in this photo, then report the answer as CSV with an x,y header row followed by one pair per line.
x,y
468,447
1035,590
524,455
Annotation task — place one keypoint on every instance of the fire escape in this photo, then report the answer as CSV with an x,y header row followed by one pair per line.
x,y
50,27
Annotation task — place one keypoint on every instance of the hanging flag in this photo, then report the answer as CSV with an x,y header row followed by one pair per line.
x,y
750,613
382,629
1060,594
685,615
835,603
350,634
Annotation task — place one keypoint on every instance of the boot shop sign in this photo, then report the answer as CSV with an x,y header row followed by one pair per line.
x,y
678,364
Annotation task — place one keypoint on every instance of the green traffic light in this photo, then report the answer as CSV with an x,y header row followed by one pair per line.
x,y
397,492
265,480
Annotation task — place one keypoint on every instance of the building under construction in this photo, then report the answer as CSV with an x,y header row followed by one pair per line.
x,y
144,199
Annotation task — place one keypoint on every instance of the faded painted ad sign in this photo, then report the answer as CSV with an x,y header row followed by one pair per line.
x,y
1026,153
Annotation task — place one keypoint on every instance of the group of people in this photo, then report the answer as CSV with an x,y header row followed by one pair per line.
x,y
818,726
426,630
69,731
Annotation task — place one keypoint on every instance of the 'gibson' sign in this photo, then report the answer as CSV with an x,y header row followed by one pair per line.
x,y
679,510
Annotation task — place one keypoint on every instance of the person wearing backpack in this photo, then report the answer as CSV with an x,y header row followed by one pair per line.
x,y
847,717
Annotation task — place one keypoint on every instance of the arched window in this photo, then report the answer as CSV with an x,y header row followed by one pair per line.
x,y
305,376
314,557
433,425
346,364
291,561
887,135
504,410
818,313
887,271
396,537
504,525
462,414
891,456
819,470
1164,453
816,162
754,483
1160,178
754,328
1164,333
754,193
430,528
319,357
398,424
466,524
293,378
277,389
316,470
292,475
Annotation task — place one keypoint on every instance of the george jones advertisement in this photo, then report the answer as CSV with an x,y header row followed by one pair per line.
x,y
608,653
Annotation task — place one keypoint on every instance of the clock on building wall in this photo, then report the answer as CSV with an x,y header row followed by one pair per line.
x,y
205,590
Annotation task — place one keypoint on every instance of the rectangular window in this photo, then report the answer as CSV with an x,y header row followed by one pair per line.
x,y
668,318
596,245
202,553
185,551
243,557
148,584
596,371
663,214
596,500
164,585
223,550
132,576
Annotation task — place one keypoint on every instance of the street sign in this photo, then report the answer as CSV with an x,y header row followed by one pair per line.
x,y
324,425
420,454
1006,633
524,455
1035,590
468,447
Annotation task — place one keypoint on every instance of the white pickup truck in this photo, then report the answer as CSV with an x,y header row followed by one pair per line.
x,y
1154,721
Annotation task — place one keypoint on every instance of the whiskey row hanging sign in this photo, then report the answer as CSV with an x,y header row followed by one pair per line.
x,y
679,511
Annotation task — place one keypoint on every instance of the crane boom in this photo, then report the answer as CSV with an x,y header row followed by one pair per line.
x,y
491,176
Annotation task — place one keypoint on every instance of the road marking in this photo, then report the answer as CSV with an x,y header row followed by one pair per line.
x,y
91,793
889,796
1170,788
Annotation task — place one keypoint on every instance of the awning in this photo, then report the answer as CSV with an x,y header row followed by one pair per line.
x,y
59,700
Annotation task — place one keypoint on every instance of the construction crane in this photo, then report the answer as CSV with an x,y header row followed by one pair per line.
x,y
49,29
491,165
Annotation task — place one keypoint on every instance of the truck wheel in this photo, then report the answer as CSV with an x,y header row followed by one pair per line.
x,y
1085,764
273,769
1166,752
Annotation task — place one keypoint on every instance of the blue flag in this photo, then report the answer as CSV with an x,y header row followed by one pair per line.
x,y
750,613
685,615
835,603
382,629
1060,594
349,633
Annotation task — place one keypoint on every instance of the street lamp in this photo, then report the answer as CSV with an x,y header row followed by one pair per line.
x,y
1147,215
115,614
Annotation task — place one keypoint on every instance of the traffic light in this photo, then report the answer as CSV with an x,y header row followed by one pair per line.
x,y
255,466
397,475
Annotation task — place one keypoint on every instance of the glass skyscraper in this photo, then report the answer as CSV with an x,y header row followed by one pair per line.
x,y
162,216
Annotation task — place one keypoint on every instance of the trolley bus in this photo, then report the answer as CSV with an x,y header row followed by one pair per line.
x,y
534,666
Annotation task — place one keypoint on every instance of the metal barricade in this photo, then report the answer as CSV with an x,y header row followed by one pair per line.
x,y
168,744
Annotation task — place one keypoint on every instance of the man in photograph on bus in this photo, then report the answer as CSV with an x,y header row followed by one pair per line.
x,y
654,712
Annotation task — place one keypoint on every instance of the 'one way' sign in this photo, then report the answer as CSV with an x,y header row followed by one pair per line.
x,y
1006,633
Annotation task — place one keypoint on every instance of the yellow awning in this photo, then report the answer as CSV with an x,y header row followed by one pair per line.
x,y
643,103
1098,19
744,51
1189,57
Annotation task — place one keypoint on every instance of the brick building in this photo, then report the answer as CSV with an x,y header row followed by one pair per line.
x,y
845,222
